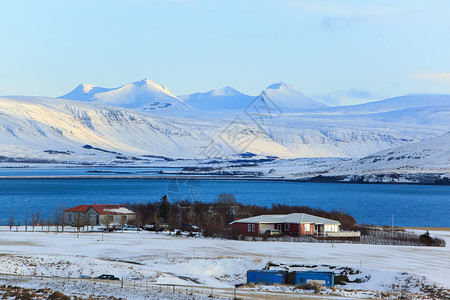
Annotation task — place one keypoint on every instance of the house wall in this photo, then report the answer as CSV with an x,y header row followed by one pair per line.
x,y
244,228
264,227
294,229
116,219
71,217
307,231
331,228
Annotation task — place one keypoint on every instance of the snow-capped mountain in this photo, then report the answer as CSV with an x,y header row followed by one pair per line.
x,y
423,156
143,95
101,124
29,126
288,98
395,104
225,98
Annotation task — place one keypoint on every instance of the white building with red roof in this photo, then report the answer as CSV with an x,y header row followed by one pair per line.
x,y
98,214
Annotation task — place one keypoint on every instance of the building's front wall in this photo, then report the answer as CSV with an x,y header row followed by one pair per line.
x,y
264,227
285,228
307,229
294,229
246,228
71,218
91,217
115,219
331,228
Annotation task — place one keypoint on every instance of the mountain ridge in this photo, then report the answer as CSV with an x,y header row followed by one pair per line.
x,y
143,94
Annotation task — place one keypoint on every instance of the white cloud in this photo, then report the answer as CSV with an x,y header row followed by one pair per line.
x,y
443,77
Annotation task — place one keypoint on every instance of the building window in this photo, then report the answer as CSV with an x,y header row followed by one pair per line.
x,y
307,228
70,217
287,227
253,227
249,227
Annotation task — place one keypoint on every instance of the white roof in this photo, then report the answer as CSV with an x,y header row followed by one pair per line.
x,y
119,210
290,218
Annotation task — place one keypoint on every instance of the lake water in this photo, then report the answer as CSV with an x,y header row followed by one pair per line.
x,y
411,205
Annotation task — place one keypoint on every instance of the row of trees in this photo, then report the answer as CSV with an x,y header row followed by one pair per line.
x,y
213,217
38,219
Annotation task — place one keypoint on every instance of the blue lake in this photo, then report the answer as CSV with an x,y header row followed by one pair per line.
x,y
411,205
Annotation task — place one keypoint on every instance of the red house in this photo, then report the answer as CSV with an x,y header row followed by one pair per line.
x,y
292,224
98,214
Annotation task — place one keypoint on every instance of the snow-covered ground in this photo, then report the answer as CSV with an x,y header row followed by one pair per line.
x,y
202,262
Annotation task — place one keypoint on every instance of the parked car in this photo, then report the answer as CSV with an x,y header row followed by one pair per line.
x,y
107,277
110,228
272,232
131,228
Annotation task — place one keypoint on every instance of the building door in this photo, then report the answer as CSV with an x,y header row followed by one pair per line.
x,y
318,229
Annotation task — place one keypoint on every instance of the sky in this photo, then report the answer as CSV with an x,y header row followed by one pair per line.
x,y
337,51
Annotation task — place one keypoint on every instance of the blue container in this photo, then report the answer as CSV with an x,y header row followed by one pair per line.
x,y
267,277
324,278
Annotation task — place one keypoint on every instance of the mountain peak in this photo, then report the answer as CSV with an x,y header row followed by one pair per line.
x,y
143,82
143,94
85,87
218,99
279,85
225,91
289,98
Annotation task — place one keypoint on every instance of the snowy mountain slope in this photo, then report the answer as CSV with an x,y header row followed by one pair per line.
x,y
288,98
143,95
224,98
394,104
30,125
432,154
85,92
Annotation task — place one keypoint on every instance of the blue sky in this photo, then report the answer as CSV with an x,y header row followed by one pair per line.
x,y
336,51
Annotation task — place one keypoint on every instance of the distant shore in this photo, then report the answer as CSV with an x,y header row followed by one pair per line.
x,y
428,228
177,176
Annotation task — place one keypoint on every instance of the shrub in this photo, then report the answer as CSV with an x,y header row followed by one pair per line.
x,y
58,296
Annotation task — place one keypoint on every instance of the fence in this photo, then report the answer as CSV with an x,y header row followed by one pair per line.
x,y
167,290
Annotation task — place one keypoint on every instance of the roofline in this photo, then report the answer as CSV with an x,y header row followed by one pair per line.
x,y
283,222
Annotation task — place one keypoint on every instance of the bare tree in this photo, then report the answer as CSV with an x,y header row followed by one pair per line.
x,y
49,222
122,222
42,221
11,221
35,219
226,199
108,222
59,218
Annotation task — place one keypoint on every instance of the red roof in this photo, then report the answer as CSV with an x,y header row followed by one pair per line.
x,y
79,208
102,209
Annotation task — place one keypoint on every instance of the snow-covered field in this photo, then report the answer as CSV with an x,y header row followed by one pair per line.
x,y
202,262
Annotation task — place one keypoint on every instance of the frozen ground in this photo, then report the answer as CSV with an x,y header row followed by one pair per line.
x,y
200,262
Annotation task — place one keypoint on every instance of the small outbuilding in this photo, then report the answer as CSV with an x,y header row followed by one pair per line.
x,y
98,214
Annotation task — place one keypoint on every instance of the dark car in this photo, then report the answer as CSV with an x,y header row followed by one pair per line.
x,y
107,277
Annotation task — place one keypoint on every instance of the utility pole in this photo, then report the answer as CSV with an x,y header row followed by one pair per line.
x,y
26,215
179,217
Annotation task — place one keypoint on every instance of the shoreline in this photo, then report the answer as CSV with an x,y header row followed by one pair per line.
x,y
331,179
427,228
